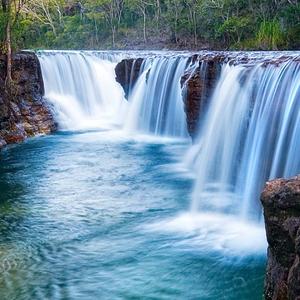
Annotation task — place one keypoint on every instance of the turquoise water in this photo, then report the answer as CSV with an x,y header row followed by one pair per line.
x,y
90,215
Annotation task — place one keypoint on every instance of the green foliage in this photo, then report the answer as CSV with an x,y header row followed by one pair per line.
x,y
222,24
291,18
270,36
235,28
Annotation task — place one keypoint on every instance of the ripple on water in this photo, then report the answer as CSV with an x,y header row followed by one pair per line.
x,y
95,216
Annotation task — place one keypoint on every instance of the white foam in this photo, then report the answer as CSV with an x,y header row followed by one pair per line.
x,y
212,231
83,90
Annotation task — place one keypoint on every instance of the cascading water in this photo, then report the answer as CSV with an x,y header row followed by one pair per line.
x,y
67,235
250,134
81,85
156,104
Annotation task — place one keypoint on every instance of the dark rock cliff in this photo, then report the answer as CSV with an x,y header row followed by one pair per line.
x,y
127,72
281,202
23,112
198,85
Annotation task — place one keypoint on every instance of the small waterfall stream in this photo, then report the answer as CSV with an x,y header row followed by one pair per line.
x,y
156,104
82,88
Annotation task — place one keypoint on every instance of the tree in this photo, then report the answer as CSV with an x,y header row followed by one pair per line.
x,y
44,11
174,11
111,10
235,28
85,24
11,10
192,16
141,6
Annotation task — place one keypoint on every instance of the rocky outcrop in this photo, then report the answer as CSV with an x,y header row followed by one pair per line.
x,y
198,84
127,72
281,202
23,111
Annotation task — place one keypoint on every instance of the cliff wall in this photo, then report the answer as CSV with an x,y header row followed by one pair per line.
x,y
23,111
281,203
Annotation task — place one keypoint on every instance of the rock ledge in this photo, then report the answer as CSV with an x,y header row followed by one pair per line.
x,y
281,202
24,112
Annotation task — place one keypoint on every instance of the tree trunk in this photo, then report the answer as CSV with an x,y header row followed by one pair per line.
x,y
158,13
113,31
96,32
8,80
144,26
195,29
176,22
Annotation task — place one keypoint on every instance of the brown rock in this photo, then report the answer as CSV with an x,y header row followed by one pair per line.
x,y
281,202
23,112
198,84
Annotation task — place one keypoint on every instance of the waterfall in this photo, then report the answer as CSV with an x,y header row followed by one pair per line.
x,y
249,125
82,88
251,133
156,104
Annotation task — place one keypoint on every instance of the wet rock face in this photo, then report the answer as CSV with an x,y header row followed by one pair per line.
x,y
281,202
197,89
197,84
24,112
127,72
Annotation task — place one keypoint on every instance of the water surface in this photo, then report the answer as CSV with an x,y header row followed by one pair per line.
x,y
86,215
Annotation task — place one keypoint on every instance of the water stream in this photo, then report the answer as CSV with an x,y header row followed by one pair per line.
x,y
90,216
